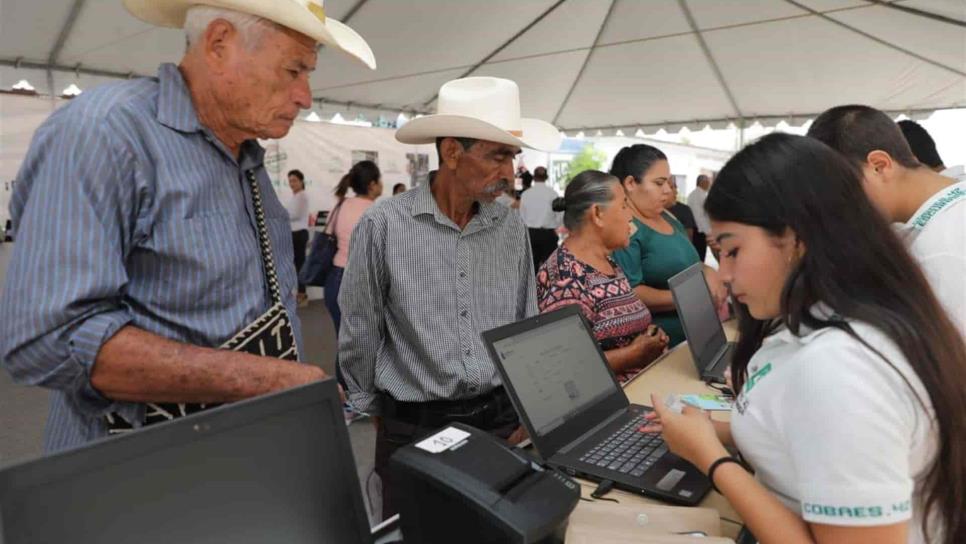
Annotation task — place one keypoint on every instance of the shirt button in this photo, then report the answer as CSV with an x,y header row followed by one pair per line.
x,y
466,351
472,389
463,313
462,274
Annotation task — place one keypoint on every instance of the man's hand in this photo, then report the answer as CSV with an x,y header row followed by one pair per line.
x,y
139,366
302,374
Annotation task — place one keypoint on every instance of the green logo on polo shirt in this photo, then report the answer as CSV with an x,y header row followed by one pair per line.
x,y
947,199
756,377
838,511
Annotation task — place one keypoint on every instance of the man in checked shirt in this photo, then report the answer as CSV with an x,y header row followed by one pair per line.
x,y
432,268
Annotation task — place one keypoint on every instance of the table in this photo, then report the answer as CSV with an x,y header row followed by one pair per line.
x,y
674,373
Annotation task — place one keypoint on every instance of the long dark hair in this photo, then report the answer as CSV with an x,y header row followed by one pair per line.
x,y
359,177
856,265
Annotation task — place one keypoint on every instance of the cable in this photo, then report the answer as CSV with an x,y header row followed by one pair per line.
x,y
729,520
723,389
604,488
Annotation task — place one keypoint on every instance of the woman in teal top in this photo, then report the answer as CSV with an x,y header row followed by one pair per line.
x,y
659,247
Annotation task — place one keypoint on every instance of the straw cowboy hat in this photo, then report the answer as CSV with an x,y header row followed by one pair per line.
x,y
484,108
305,16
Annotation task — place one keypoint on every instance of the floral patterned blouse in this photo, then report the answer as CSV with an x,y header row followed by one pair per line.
x,y
607,301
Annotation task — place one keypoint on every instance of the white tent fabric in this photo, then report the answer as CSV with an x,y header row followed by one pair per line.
x,y
583,64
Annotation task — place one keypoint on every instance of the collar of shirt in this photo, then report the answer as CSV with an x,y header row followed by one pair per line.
x,y
935,205
805,334
177,111
487,213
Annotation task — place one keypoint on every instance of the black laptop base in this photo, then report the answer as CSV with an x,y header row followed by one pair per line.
x,y
666,477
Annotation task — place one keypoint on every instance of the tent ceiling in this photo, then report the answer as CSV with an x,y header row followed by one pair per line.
x,y
586,64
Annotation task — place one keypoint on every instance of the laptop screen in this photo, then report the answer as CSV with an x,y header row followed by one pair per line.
x,y
555,370
698,315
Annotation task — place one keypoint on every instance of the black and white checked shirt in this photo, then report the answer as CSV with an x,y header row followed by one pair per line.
x,y
417,292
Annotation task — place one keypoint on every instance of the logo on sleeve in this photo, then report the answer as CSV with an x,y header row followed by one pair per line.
x,y
836,511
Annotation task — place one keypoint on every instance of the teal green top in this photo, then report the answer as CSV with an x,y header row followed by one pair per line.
x,y
651,259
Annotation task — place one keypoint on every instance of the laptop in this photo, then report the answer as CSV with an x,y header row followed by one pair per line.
x,y
578,417
277,468
710,348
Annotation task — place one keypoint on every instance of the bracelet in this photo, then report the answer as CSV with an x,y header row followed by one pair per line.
x,y
724,460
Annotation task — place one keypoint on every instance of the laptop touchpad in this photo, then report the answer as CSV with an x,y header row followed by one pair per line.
x,y
670,479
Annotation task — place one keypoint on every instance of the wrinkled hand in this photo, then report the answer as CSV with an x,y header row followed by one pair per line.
x,y
518,436
719,291
689,435
296,374
650,344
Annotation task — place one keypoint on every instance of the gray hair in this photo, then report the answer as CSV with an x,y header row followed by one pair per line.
x,y
249,27
586,189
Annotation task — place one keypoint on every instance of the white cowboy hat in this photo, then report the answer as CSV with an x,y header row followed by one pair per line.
x,y
484,108
305,16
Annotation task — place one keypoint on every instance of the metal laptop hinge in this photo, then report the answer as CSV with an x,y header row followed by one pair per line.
x,y
601,425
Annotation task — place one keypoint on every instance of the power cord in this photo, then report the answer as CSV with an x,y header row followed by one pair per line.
x,y
604,488
720,388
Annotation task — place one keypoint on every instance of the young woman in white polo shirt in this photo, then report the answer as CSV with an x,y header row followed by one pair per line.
x,y
851,378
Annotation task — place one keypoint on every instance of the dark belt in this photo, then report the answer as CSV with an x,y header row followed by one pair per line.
x,y
480,411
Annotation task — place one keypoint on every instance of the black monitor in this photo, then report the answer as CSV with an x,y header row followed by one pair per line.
x,y
278,468
699,317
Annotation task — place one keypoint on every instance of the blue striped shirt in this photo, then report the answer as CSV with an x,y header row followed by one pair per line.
x,y
127,211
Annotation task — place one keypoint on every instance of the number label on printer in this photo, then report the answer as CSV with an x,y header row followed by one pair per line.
x,y
443,440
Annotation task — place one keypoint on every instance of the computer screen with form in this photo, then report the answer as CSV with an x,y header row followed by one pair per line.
x,y
555,370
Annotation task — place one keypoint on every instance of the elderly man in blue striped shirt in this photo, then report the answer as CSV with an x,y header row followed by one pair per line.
x,y
434,267
147,229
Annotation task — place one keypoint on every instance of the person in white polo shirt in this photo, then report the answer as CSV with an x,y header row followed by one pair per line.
x,y
536,208
929,209
852,406
696,203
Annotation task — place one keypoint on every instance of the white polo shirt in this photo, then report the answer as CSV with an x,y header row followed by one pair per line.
x,y
936,237
536,207
696,203
834,432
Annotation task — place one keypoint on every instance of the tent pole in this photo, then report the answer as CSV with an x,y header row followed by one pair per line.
x,y
50,87
877,40
505,44
919,12
590,53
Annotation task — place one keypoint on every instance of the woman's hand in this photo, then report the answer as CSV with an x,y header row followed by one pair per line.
x,y
690,434
719,291
721,428
650,344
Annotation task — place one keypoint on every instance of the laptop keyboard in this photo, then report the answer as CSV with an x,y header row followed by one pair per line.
x,y
627,450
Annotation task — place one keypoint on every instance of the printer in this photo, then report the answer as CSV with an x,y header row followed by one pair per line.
x,y
464,485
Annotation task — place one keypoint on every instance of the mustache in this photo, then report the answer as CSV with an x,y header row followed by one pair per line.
x,y
501,185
